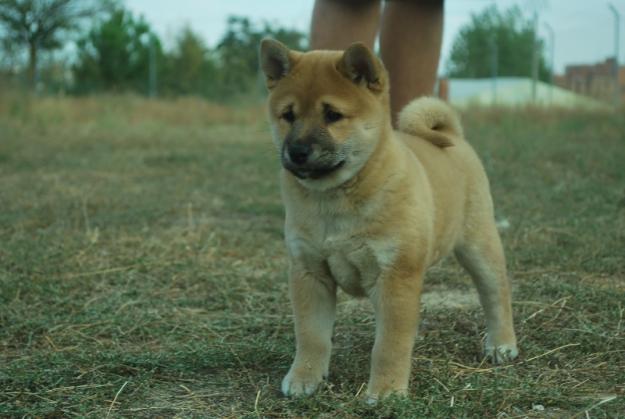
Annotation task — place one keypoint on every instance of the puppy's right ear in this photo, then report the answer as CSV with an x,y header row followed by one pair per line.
x,y
274,60
362,67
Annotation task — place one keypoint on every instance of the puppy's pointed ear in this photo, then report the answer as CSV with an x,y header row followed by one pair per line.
x,y
360,66
274,60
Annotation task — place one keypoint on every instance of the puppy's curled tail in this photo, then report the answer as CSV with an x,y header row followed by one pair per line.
x,y
433,120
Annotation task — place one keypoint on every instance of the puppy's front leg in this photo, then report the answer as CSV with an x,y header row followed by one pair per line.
x,y
313,295
396,302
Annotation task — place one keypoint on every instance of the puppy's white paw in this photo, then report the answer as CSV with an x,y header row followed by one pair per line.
x,y
300,383
373,397
501,354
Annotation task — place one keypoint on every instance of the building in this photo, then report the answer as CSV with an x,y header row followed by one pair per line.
x,y
594,80
512,92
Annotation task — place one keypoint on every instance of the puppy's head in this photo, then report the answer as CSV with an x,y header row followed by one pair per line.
x,y
328,110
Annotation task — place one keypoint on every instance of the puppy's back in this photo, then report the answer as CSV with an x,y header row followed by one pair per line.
x,y
431,130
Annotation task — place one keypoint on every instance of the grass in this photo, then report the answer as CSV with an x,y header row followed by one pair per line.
x,y
142,270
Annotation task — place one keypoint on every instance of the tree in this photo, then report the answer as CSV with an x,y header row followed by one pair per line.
x,y
9,55
41,24
189,67
115,54
509,34
237,52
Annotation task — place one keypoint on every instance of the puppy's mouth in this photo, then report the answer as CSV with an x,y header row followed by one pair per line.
x,y
312,171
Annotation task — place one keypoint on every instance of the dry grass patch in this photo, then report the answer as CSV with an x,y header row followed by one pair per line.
x,y
142,270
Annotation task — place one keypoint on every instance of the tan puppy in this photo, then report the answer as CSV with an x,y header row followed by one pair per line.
x,y
369,209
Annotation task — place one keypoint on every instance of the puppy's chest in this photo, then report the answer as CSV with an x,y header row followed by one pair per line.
x,y
352,263
354,258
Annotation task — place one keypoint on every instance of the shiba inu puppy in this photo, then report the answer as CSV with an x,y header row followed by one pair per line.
x,y
369,209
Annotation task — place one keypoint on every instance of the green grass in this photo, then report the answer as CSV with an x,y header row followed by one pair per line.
x,y
142,270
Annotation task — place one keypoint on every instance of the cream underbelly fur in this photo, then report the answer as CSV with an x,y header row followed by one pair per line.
x,y
353,263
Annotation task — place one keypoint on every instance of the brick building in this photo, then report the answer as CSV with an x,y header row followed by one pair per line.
x,y
594,80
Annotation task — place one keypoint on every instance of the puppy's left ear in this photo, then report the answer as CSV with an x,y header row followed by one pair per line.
x,y
275,60
362,67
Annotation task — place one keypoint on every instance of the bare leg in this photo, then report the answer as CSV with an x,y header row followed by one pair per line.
x,y
410,45
314,302
482,255
396,303
336,24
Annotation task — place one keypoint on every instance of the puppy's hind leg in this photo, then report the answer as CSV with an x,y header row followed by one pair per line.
x,y
481,254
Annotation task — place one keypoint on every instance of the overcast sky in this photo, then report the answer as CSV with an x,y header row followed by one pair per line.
x,y
584,29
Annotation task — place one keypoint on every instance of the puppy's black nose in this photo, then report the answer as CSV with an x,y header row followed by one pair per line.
x,y
299,153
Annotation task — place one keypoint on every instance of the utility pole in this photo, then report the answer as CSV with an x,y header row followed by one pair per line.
x,y
617,87
152,70
37,71
535,57
552,48
494,65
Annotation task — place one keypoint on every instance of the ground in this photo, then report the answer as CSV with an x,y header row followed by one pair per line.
x,y
143,273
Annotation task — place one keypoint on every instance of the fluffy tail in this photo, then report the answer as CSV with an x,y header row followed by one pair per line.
x,y
433,120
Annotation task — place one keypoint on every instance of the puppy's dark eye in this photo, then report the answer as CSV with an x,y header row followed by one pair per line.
x,y
288,116
332,116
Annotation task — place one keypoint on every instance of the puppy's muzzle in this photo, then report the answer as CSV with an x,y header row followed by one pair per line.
x,y
309,161
299,153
